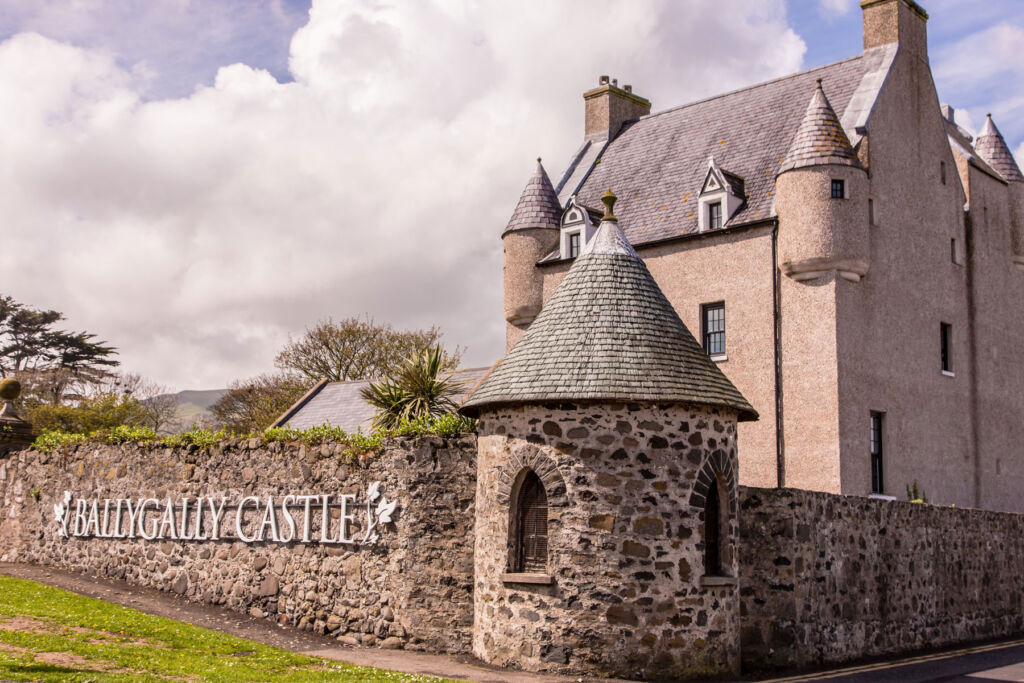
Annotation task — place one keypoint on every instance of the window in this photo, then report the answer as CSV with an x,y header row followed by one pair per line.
x,y
838,189
713,327
574,245
946,333
871,212
876,453
714,215
713,532
531,526
942,171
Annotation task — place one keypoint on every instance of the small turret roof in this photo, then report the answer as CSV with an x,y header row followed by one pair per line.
x,y
991,147
538,206
820,140
608,334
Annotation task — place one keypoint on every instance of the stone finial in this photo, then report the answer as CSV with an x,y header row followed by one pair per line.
x,y
15,433
608,199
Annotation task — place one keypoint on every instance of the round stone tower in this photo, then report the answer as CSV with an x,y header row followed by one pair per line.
x,y
821,199
991,147
531,234
606,491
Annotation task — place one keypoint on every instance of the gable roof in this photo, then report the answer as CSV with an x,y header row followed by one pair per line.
x,y
608,334
991,147
340,404
820,140
538,206
658,163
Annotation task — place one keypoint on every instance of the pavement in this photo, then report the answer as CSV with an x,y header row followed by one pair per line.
x,y
989,663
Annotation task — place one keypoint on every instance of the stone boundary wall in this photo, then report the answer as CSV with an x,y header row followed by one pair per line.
x,y
413,589
826,579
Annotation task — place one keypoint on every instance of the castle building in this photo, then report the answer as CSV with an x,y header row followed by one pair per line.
x,y
852,260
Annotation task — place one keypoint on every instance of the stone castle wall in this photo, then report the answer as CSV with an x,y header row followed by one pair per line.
x,y
412,589
626,595
827,579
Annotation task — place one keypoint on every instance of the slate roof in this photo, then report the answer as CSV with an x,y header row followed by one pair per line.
x,y
608,334
657,164
340,405
538,206
820,140
991,147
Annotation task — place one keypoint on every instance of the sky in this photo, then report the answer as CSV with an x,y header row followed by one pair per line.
x,y
196,181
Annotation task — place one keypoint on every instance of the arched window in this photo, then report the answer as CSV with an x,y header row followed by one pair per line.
x,y
714,533
531,526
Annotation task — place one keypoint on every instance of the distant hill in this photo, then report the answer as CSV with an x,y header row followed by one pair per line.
x,y
194,405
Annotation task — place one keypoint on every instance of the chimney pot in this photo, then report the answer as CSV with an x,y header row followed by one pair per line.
x,y
627,88
603,80
615,83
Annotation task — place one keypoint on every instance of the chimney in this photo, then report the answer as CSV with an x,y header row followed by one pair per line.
x,y
948,113
608,107
895,21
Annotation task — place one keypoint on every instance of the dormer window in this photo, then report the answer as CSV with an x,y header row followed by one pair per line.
x,y
578,227
714,215
720,198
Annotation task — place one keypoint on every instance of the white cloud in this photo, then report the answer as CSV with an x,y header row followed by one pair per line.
x,y
197,233
832,8
984,71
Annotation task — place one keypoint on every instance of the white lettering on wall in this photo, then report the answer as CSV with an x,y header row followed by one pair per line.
x,y
256,520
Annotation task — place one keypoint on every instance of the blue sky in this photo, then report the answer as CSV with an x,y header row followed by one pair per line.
x,y
219,174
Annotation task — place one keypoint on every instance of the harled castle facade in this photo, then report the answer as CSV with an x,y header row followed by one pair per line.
x,y
849,256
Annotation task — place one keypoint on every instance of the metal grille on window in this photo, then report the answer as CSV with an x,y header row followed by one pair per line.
x,y
713,532
532,518
574,245
838,189
876,452
714,329
714,215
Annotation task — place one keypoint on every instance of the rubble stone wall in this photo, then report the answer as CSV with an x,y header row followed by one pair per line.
x,y
826,579
412,589
625,593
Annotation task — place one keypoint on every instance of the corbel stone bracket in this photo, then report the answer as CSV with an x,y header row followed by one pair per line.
x,y
812,268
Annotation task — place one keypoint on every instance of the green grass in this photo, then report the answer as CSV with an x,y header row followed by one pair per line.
x,y
74,638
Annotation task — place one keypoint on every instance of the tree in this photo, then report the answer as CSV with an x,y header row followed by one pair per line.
x,y
253,404
49,362
158,407
357,348
103,411
416,390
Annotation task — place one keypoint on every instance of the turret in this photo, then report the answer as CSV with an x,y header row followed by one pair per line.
x,y
531,234
607,457
821,199
992,148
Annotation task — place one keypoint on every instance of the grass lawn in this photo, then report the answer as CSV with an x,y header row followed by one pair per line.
x,y
48,634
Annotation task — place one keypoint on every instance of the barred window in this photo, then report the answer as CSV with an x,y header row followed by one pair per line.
x,y
713,532
713,325
531,533
876,453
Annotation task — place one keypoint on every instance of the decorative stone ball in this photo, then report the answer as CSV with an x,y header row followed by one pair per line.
x,y
10,388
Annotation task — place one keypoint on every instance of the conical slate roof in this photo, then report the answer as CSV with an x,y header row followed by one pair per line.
x,y
991,147
608,334
820,140
538,206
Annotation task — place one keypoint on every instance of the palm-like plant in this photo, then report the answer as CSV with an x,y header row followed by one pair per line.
x,y
417,390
